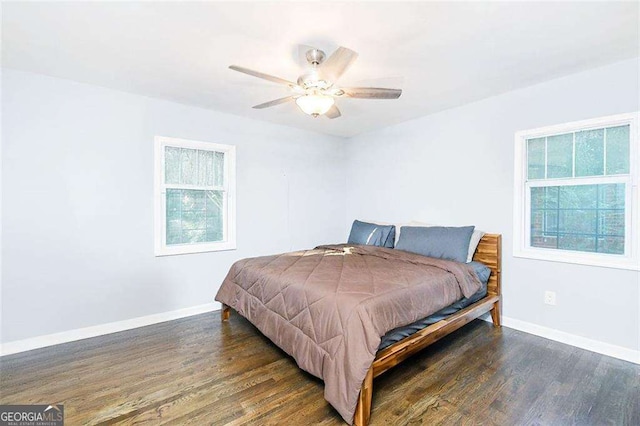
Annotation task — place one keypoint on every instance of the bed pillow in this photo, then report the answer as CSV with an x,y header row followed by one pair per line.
x,y
398,226
473,243
372,234
451,243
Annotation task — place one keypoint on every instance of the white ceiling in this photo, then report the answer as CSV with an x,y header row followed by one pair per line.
x,y
441,54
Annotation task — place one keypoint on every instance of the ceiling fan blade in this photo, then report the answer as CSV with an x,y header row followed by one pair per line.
x,y
336,64
274,102
333,112
372,93
261,75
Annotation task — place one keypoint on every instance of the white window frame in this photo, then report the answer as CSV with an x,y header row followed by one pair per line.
x,y
160,187
521,212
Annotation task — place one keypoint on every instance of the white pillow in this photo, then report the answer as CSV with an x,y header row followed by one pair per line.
x,y
473,243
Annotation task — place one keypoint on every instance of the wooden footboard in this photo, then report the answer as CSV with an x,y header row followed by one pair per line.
x,y
489,252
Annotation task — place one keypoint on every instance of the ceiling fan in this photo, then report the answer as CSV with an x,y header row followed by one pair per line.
x,y
315,91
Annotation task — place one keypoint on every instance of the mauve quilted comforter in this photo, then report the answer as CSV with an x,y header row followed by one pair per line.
x,y
329,307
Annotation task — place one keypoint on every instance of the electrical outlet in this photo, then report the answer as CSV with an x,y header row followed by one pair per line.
x,y
550,297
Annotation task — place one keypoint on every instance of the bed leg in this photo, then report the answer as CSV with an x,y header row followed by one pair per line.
x,y
363,409
225,313
495,314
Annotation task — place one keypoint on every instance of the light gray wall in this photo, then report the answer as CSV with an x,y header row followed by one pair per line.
x,y
457,167
77,173
77,210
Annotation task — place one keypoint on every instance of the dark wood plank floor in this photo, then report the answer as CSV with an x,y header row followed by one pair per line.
x,y
199,371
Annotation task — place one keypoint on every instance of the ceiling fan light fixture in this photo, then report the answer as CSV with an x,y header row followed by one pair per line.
x,y
314,91
315,104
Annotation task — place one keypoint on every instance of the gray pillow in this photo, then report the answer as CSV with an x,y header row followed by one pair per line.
x,y
441,242
372,234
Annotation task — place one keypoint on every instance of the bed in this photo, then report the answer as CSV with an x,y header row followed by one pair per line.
x,y
335,326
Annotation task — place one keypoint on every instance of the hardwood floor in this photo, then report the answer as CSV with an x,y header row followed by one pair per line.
x,y
199,371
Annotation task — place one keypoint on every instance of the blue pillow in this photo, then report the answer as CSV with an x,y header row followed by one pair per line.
x,y
437,241
372,234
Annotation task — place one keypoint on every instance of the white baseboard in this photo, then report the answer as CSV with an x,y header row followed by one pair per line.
x,y
9,348
102,329
608,349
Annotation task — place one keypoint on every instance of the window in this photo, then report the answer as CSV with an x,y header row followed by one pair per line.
x,y
194,196
576,193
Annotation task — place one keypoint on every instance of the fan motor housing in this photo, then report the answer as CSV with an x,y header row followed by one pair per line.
x,y
315,56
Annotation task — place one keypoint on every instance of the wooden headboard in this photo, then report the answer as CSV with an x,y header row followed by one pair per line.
x,y
489,252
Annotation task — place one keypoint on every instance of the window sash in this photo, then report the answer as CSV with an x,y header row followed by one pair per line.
x,y
574,152
628,201
225,221
194,187
594,180
227,190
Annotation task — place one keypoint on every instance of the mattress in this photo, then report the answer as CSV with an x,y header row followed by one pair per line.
x,y
395,335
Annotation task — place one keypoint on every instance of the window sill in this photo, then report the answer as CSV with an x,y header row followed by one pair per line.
x,y
602,260
194,248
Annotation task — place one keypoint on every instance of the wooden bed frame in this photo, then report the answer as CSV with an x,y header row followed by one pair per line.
x,y
489,252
